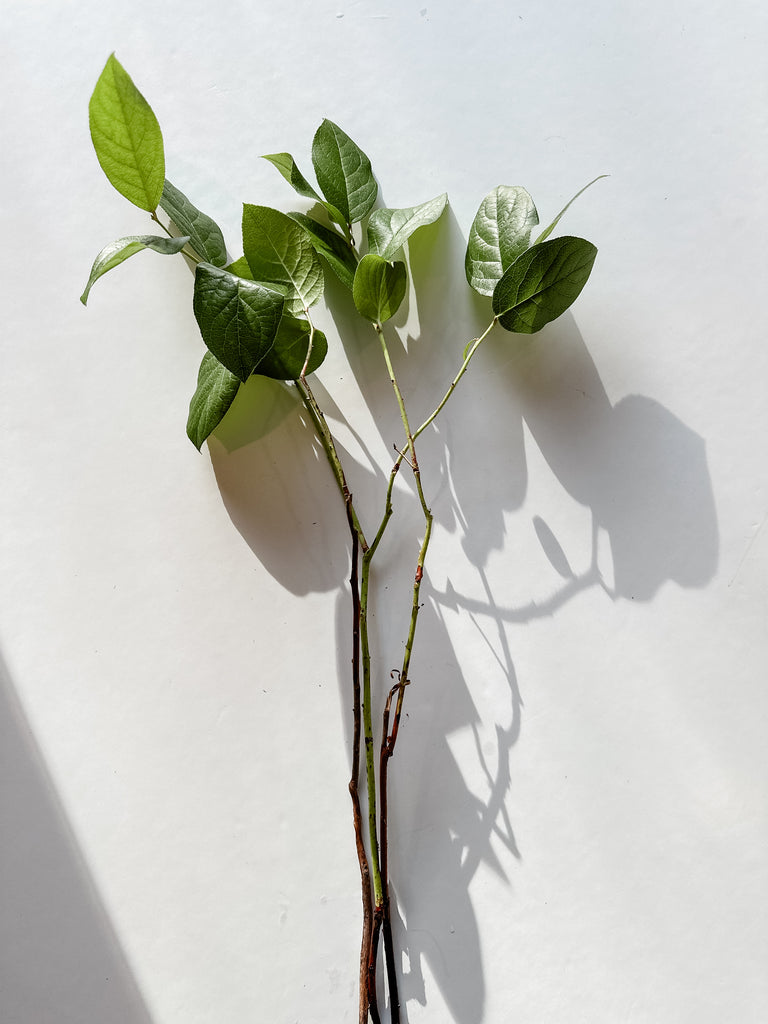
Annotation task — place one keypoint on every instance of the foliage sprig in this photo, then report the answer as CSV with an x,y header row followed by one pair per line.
x,y
254,318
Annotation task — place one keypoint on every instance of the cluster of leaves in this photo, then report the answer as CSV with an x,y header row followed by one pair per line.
x,y
254,312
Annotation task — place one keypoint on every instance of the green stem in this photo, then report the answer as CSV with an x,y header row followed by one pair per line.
x,y
470,351
370,770
302,375
332,455
326,439
187,250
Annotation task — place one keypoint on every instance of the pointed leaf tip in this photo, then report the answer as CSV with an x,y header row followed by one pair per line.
x,y
551,227
117,252
215,392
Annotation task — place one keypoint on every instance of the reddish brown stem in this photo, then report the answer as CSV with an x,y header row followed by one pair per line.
x,y
385,752
373,953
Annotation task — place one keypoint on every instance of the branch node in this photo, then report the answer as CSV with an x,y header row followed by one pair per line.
x,y
405,458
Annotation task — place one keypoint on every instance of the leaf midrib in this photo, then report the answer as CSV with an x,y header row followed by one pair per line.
x,y
540,291
127,123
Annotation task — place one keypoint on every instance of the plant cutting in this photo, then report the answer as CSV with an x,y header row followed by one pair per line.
x,y
255,316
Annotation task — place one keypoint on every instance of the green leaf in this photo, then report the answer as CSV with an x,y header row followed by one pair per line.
x,y
286,359
548,231
343,172
285,163
238,319
279,250
542,283
240,268
331,246
204,234
501,231
115,253
379,288
389,230
216,390
127,137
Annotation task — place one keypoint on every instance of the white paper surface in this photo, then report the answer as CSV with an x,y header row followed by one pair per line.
x,y
578,794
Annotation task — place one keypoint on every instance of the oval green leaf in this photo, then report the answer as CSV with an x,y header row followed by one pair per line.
x,y
343,172
542,283
127,137
238,319
280,251
379,288
117,252
331,246
285,360
389,230
500,232
205,235
216,390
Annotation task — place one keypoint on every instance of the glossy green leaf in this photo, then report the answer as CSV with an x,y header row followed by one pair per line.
x,y
379,288
216,390
501,231
279,250
389,230
331,246
116,252
343,172
238,319
204,234
548,231
285,360
542,283
127,137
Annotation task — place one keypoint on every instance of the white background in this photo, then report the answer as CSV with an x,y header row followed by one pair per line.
x,y
578,794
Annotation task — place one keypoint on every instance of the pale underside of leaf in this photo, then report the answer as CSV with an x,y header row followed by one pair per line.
x,y
204,233
542,283
127,137
389,230
279,250
117,252
501,231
